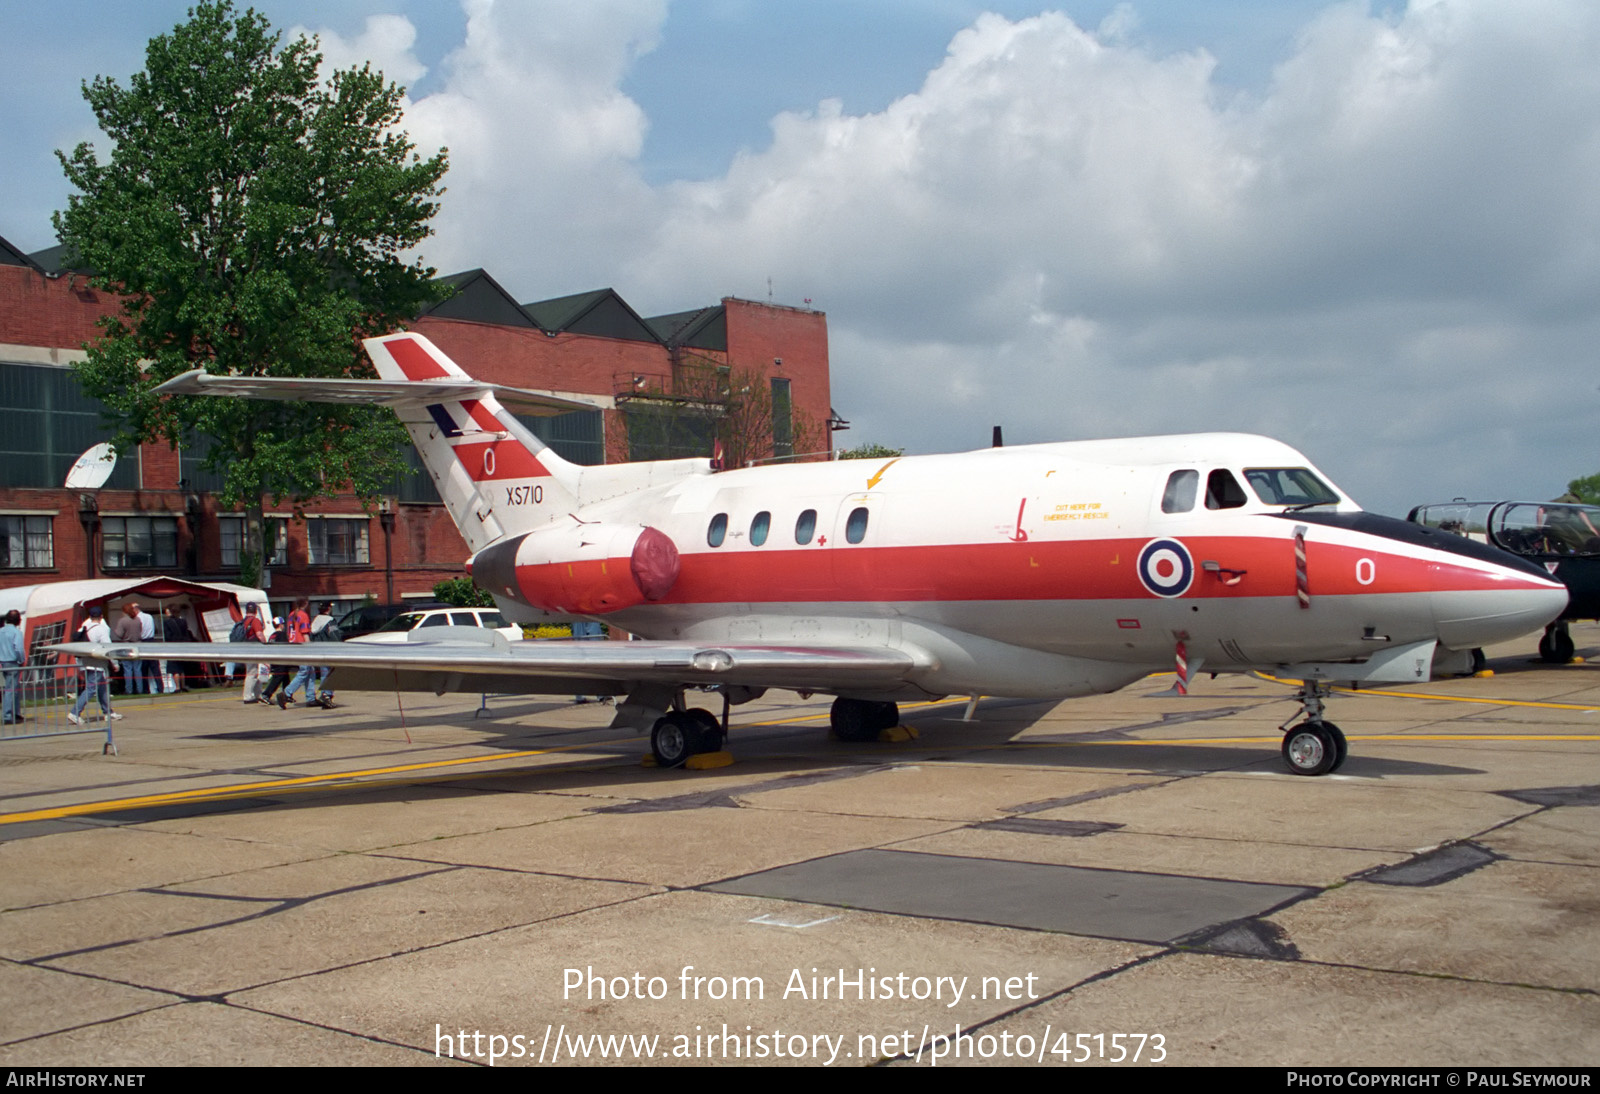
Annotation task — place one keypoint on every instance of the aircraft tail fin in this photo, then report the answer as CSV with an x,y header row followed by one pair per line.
x,y
494,475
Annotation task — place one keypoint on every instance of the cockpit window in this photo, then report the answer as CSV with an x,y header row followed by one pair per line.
x,y
1546,529
1223,491
1289,486
1181,489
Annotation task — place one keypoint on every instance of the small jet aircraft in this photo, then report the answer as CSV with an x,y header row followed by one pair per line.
x,y
1043,571
1562,538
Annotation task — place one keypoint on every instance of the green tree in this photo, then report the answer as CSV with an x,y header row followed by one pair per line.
x,y
871,451
254,217
461,592
1587,489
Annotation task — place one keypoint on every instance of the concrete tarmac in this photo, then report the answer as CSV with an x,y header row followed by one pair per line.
x,y
1065,884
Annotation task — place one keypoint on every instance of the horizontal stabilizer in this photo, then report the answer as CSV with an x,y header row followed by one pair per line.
x,y
357,392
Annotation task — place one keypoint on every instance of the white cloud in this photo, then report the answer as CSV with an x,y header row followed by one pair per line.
x,y
1390,256
385,41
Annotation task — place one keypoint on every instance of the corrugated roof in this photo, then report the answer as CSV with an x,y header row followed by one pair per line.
x,y
703,328
10,256
600,312
478,298
55,260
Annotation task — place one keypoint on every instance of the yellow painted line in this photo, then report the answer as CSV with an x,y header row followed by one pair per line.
x,y
1483,701
260,789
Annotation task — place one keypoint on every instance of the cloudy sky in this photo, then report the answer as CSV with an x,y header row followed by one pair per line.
x,y
1372,231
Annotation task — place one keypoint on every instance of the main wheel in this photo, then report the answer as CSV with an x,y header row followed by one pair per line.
x,y
1341,747
861,720
1479,661
707,735
672,739
1309,749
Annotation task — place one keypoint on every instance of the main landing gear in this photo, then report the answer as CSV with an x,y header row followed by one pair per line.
x,y
861,719
679,734
1315,746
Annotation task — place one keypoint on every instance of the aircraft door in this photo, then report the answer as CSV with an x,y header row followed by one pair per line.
x,y
857,533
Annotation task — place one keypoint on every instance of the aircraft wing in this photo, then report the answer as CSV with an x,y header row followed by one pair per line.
x,y
548,667
357,392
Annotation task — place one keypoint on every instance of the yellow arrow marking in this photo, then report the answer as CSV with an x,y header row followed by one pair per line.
x,y
874,480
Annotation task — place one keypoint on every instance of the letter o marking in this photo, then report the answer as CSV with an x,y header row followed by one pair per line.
x,y
488,461
1366,571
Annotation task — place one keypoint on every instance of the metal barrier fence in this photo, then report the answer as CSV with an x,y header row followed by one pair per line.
x,y
39,702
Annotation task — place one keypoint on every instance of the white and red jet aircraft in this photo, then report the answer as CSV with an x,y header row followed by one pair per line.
x,y
1040,571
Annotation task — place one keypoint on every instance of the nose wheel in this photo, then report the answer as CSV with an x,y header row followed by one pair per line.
x,y
1315,746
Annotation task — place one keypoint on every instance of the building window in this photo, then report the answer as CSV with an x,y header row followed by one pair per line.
x,y
27,543
335,541
139,543
231,534
50,422
782,419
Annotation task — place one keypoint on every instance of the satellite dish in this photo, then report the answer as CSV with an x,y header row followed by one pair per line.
x,y
93,468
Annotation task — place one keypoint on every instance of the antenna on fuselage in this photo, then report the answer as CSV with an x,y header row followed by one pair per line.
x,y
999,442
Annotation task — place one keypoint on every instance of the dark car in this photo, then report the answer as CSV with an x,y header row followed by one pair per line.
x,y
1563,538
369,617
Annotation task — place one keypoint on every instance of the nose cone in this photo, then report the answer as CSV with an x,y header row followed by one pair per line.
x,y
1504,603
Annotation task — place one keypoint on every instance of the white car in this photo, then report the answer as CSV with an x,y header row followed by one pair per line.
x,y
397,628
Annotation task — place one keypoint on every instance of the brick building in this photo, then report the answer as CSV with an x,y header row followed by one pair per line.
x,y
657,383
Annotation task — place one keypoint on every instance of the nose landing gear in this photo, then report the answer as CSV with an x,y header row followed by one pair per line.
x,y
1315,746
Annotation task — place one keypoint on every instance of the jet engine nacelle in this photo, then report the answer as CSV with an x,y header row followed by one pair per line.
x,y
581,569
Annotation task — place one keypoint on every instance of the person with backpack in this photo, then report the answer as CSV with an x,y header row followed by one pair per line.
x,y
323,629
250,629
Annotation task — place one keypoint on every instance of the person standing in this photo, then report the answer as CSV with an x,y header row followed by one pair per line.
x,y
174,628
150,669
94,676
128,630
11,658
254,631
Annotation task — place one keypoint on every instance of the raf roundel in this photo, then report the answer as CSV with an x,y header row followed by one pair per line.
x,y
1166,568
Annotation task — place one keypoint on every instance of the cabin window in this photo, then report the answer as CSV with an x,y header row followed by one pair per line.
x,y
805,527
1289,486
759,527
855,529
718,530
1182,486
1223,491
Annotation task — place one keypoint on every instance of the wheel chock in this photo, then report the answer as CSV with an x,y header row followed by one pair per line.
x,y
898,735
1483,674
649,760
704,761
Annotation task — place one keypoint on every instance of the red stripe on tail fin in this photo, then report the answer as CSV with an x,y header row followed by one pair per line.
x,y
415,361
